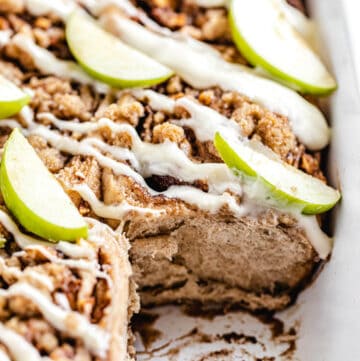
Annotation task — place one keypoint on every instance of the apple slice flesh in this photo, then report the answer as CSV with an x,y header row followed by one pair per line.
x,y
107,58
34,196
284,184
12,98
2,242
266,39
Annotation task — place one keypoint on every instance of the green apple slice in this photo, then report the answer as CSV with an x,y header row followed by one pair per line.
x,y
107,58
2,242
284,184
266,39
12,98
34,196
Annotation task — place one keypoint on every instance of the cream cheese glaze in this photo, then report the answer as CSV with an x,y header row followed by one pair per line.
x,y
47,63
95,338
62,8
204,121
219,177
206,201
117,211
18,347
81,264
27,243
81,249
62,318
145,159
28,274
219,72
22,240
4,356
62,301
210,3
204,68
5,36
160,159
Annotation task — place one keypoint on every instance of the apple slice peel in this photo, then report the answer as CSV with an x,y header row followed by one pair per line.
x,y
107,58
12,98
282,183
34,196
266,39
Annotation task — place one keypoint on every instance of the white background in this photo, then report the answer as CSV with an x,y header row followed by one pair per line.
x,y
352,10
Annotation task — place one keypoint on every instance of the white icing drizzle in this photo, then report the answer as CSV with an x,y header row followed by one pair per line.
x,y
208,69
9,271
206,201
217,174
80,250
205,121
62,301
22,240
29,273
97,231
26,113
319,240
307,121
76,325
19,348
96,7
63,8
5,36
109,211
81,128
168,159
74,147
71,146
90,266
116,152
210,3
4,356
26,242
161,159
60,8
210,202
157,101
47,63
40,278
95,338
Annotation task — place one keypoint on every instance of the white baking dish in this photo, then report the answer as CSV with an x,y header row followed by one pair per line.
x,y
326,317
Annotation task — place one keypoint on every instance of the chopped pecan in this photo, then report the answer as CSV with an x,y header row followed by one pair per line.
x,y
169,18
